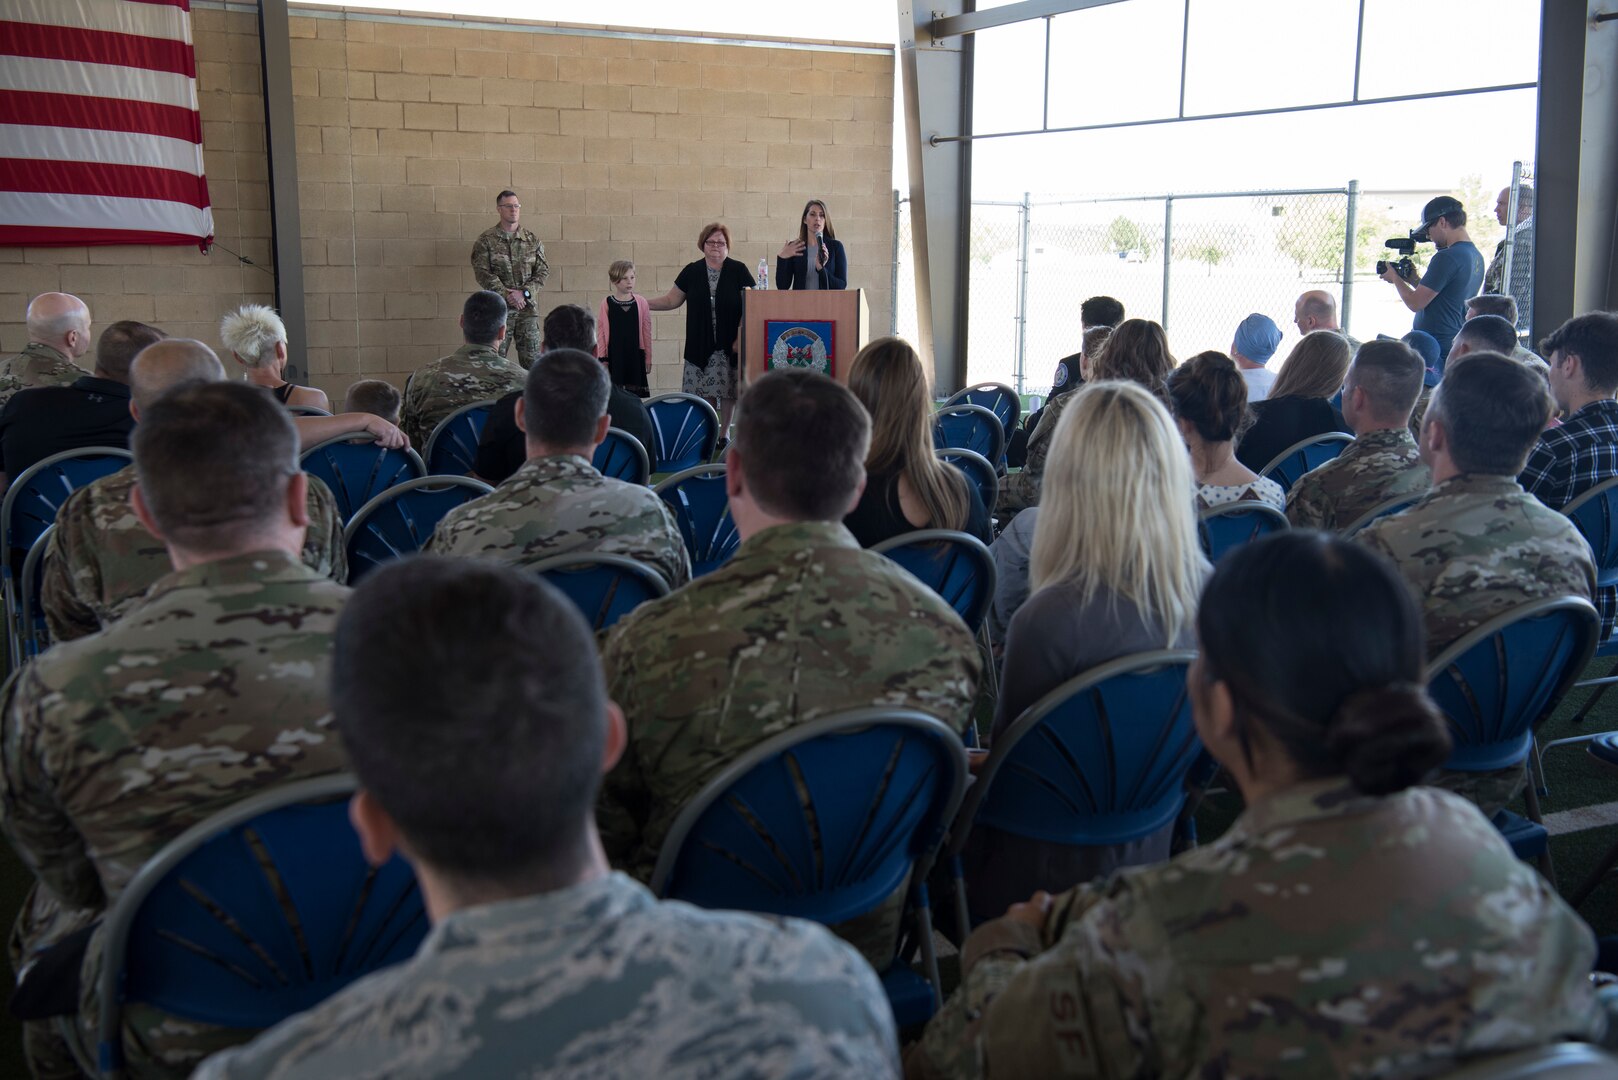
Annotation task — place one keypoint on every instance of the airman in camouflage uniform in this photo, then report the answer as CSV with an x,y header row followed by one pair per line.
x,y
101,560
1021,489
1375,467
562,506
601,980
470,374
507,259
1326,934
58,334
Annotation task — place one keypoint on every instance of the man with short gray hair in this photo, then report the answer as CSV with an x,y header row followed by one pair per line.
x,y
58,334
475,372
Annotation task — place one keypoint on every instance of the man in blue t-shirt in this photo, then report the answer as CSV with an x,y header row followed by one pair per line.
x,y
1453,275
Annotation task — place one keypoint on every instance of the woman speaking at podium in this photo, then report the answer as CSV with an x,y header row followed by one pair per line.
x,y
817,246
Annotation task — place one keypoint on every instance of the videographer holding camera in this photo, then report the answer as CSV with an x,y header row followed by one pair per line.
x,y
1453,275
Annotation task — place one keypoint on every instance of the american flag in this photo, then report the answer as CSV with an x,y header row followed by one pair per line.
x,y
100,136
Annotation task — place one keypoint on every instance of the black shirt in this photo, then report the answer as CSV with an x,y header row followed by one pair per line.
x,y
1283,422
503,447
878,516
46,420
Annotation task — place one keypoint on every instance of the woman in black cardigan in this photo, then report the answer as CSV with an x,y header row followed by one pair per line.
x,y
714,284
792,265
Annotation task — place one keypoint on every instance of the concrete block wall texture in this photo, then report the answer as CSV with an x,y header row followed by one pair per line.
x,y
618,146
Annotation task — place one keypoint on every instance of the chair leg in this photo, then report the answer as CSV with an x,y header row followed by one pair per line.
x,y
1594,880
1584,710
963,920
1531,799
1536,770
929,955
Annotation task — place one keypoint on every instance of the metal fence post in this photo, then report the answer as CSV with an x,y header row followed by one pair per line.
x,y
1022,288
1351,225
893,281
1168,259
1511,228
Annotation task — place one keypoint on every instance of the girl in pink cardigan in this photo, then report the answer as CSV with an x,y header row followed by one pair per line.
x,y
624,331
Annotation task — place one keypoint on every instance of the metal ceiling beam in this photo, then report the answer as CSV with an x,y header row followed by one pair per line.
x,y
967,22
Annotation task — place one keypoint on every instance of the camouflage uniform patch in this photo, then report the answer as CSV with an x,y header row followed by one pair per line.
x,y
1326,934
501,261
101,560
562,506
470,374
36,365
1375,467
1021,489
596,980
211,689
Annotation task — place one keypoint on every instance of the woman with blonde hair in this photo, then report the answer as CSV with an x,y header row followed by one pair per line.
x,y
906,486
255,335
1116,569
1138,350
1299,406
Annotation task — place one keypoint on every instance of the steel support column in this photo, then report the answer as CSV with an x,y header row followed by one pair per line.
x,y
286,230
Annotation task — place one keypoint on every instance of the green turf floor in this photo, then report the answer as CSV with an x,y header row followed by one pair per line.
x,y
1573,778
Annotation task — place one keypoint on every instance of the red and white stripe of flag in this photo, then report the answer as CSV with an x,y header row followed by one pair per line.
x,y
100,135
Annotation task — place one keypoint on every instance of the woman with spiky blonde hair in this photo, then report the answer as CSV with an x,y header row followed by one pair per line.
x,y
257,338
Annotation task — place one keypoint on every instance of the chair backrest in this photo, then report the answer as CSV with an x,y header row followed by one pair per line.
x,y
1558,1061
1499,681
622,457
823,821
358,470
955,565
261,911
1595,515
978,470
452,448
998,398
1222,529
1382,510
604,587
1102,759
1300,457
400,520
969,427
702,512
29,612
306,410
34,497
686,429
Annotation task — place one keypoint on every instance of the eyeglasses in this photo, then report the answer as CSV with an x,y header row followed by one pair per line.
x,y
510,206
712,240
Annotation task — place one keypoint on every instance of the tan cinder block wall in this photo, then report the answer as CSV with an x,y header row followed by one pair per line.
x,y
177,288
620,147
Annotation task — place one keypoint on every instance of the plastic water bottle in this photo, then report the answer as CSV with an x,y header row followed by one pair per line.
x,y
763,274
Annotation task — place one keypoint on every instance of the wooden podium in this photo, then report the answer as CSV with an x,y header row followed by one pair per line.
x,y
820,329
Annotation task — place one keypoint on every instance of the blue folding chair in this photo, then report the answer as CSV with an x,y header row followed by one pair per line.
x,y
1224,528
1603,750
826,821
702,512
358,470
969,427
622,457
452,448
978,470
604,587
1595,515
955,565
1498,682
686,429
261,911
999,399
1300,457
30,507
1558,1061
1100,760
306,410
1395,505
35,633
400,520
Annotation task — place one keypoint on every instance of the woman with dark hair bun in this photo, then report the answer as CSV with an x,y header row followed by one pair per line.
x,y
1208,397
1350,923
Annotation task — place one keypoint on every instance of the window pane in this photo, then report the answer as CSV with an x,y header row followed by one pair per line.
x,y
1452,44
1007,77
1115,63
1232,67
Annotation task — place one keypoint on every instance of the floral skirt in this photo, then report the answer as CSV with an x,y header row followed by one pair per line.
x,y
716,382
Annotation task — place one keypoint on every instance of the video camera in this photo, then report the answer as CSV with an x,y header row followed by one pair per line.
x,y
1405,247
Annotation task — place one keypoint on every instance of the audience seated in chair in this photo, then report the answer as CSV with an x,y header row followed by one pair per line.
x,y
1347,921
1383,462
377,397
210,689
1137,350
101,559
480,761
1116,569
1478,545
1582,452
1506,308
1299,406
558,503
503,448
93,410
1096,313
257,339
1208,397
474,372
1021,489
799,623
58,334
1256,339
906,486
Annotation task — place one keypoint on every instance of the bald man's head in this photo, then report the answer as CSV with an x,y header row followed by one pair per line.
x,y
1315,310
172,361
60,320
